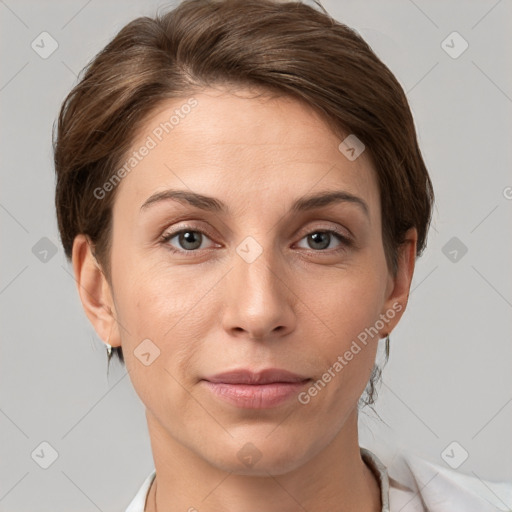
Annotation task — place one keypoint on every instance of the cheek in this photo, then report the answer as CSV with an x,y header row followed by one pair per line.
x,y
349,309
160,335
170,307
349,301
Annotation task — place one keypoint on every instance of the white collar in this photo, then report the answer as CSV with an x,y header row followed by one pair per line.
x,y
412,484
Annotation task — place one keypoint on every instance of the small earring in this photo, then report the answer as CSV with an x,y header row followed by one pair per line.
x,y
109,348
387,346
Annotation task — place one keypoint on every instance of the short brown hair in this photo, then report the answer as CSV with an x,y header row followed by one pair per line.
x,y
287,48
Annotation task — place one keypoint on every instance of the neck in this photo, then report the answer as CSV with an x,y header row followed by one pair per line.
x,y
335,479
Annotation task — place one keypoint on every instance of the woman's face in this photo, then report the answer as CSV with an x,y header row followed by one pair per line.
x,y
262,277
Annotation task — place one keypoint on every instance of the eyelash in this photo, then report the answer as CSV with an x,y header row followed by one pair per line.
x,y
166,237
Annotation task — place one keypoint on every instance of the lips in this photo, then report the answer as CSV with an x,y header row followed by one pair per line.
x,y
267,376
255,390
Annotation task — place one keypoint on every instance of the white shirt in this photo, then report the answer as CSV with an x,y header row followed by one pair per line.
x,y
413,484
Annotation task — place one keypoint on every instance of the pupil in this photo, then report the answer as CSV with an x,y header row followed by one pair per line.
x,y
317,239
188,238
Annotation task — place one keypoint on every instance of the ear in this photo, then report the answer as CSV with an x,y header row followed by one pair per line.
x,y
94,291
399,285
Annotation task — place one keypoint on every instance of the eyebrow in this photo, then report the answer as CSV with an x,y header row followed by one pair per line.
x,y
304,203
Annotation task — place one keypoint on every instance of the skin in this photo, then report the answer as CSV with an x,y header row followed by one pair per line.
x,y
297,306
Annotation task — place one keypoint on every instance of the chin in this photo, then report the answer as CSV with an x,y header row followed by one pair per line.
x,y
261,457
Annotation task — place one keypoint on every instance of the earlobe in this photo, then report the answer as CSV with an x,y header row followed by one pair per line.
x,y
400,283
94,291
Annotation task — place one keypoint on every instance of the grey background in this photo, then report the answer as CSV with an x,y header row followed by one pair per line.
x,y
449,376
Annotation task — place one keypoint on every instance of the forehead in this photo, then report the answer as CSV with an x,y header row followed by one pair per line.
x,y
243,144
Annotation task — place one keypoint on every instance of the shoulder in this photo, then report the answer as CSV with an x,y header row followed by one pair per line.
x,y
417,485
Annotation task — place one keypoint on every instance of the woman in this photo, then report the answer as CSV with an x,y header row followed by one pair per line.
x,y
243,198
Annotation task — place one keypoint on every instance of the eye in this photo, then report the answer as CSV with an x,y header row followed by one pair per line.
x,y
320,240
188,240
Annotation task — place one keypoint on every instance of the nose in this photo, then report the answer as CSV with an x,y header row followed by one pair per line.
x,y
259,300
